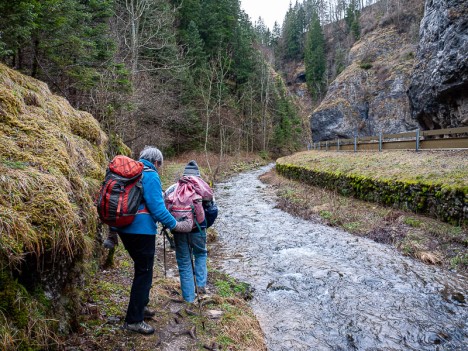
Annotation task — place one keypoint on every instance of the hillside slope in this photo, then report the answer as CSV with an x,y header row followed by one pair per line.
x,y
439,84
52,160
369,95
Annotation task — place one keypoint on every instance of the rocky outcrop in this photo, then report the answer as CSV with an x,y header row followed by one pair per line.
x,y
52,160
369,96
439,85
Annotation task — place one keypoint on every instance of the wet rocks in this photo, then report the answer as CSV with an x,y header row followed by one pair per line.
x,y
439,84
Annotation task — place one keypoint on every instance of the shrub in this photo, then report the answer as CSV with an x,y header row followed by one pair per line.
x,y
365,65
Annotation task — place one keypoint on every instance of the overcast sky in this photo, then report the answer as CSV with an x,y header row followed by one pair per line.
x,y
269,10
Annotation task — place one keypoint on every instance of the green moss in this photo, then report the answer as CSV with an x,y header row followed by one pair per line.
x,y
14,164
224,341
14,300
326,214
352,226
117,147
230,287
443,201
460,261
412,222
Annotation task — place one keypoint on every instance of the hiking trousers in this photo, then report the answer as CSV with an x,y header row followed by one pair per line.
x,y
141,248
197,242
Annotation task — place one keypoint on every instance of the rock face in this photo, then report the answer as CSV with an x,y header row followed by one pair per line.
x,y
369,96
439,85
52,160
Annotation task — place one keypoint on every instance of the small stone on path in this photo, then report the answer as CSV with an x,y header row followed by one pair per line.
x,y
214,314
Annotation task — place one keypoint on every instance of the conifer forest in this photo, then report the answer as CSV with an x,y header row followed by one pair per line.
x,y
192,74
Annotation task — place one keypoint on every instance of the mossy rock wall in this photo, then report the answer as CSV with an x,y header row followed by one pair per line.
x,y
52,161
446,203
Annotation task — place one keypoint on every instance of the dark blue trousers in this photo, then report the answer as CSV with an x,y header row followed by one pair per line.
x,y
141,248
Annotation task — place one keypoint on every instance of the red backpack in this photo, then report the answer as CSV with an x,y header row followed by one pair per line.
x,y
121,192
185,198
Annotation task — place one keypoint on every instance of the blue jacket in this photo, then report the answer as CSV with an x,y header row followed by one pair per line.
x,y
152,208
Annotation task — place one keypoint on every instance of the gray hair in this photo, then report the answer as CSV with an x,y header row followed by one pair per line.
x,y
152,154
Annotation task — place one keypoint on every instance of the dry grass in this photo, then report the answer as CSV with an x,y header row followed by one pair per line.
x,y
245,333
429,257
424,238
432,167
52,159
215,168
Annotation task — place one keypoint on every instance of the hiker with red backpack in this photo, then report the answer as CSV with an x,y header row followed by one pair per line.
x,y
131,202
191,198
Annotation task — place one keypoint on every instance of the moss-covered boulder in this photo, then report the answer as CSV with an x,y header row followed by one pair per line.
x,y
52,159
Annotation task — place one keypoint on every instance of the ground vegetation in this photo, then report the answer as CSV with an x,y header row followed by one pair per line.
x,y
432,183
421,237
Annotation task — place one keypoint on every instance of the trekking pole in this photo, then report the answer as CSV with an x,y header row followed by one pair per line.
x,y
195,278
164,233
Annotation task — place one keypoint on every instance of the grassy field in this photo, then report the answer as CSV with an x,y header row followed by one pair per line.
x,y
431,167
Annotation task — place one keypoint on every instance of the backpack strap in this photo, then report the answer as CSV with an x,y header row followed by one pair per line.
x,y
145,169
148,169
195,220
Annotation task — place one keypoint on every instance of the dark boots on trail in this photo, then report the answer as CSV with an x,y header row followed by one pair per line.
x,y
141,327
112,240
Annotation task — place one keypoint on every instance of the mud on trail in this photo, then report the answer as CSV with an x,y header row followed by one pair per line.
x,y
320,288
178,325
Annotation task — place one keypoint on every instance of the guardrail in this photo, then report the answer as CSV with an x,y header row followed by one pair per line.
x,y
454,138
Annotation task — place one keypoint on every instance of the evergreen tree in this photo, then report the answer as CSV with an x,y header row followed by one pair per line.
x,y
195,50
262,32
275,35
243,51
315,59
292,32
286,121
18,21
352,18
219,23
275,44
189,11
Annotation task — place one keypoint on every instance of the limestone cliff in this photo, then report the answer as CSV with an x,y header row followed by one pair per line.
x,y
369,95
439,84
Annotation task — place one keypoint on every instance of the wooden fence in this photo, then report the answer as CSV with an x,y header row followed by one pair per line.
x,y
454,138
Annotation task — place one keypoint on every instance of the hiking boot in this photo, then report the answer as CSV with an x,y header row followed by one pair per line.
x,y
147,313
112,240
109,244
141,327
203,293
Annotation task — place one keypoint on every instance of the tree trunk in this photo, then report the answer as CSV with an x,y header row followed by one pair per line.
x,y
35,58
